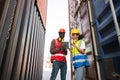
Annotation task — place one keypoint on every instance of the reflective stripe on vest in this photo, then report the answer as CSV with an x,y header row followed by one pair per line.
x,y
80,60
58,54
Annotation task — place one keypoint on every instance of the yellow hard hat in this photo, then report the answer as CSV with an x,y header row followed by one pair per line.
x,y
75,31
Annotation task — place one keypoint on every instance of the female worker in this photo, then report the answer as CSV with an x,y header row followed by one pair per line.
x,y
79,58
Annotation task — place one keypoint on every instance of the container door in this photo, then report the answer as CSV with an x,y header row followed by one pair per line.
x,y
108,45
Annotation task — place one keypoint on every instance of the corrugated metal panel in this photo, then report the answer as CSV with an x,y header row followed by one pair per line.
x,y
81,21
42,6
85,28
22,37
109,48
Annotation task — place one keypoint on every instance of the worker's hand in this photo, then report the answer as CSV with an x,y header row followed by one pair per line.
x,y
62,48
73,45
70,49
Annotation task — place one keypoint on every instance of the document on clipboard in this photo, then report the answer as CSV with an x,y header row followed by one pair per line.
x,y
65,44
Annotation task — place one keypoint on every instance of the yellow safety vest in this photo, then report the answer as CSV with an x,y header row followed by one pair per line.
x,y
75,50
78,59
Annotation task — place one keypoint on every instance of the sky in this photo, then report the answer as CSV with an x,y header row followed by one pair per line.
x,y
57,17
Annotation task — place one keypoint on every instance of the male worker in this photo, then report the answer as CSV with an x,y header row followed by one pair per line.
x,y
58,58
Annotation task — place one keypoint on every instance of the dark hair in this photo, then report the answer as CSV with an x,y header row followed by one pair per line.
x,y
81,36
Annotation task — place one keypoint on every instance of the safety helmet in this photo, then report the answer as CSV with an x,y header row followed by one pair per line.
x,y
75,31
62,30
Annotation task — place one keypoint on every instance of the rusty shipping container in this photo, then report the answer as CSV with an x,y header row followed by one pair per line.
x,y
79,18
99,21
22,36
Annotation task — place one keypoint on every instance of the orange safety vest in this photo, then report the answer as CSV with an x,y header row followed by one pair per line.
x,y
59,56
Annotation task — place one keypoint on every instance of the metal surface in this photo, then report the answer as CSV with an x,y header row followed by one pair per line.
x,y
84,25
79,18
107,37
115,20
94,37
22,36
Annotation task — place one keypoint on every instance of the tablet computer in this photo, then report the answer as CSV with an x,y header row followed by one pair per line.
x,y
65,44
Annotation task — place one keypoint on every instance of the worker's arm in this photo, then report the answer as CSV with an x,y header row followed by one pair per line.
x,y
80,50
53,49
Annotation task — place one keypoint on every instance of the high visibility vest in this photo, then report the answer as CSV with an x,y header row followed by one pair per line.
x,y
75,50
79,59
59,56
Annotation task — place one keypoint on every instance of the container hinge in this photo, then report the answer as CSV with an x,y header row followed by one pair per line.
x,y
98,58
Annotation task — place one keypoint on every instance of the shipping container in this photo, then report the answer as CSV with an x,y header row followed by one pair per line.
x,y
79,18
22,36
99,21
107,37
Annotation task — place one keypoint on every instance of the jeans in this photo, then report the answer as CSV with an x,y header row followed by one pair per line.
x,y
63,70
79,72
